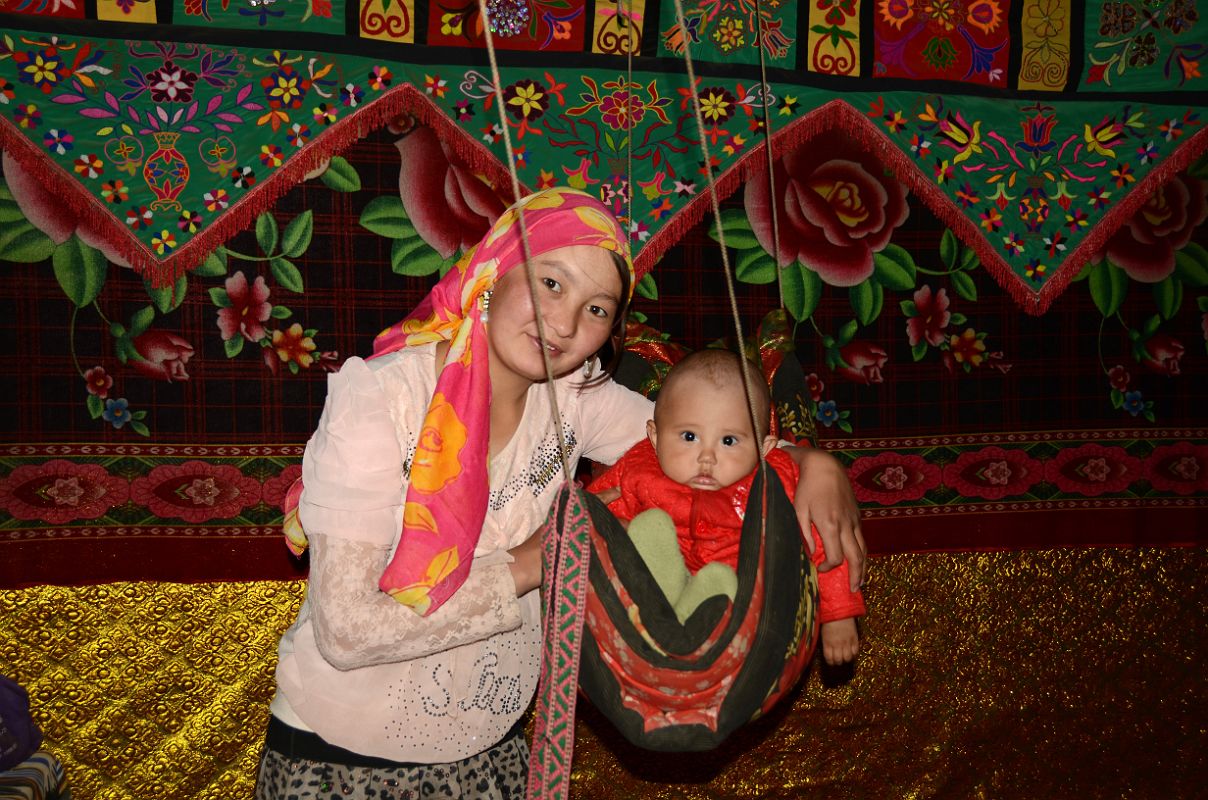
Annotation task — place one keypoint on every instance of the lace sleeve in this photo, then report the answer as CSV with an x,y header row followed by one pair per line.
x,y
358,625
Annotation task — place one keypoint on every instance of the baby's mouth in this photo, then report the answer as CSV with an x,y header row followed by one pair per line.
x,y
703,481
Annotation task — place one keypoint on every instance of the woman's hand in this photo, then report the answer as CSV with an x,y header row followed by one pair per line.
x,y
527,564
825,498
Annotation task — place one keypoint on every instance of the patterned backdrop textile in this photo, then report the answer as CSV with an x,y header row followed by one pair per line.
x,y
154,432
985,219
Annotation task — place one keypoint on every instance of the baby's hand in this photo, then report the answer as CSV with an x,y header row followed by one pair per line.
x,y
840,641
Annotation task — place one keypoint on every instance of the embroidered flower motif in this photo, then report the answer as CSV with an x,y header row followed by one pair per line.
x,y
195,491
249,309
717,105
526,99
436,86
164,355
299,134
216,200
968,347
294,346
1092,470
117,412
993,473
165,242
171,84
828,413
380,78
98,382
896,12
729,34
943,13
243,178
324,114
285,88
984,15
931,317
114,192
44,70
27,116
58,141
621,110
351,95
189,222
991,220
139,218
58,491
271,155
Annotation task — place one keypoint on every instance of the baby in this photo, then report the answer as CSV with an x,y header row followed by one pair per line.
x,y
684,491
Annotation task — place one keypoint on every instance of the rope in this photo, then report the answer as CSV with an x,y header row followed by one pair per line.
x,y
524,240
747,386
767,138
565,549
811,427
629,46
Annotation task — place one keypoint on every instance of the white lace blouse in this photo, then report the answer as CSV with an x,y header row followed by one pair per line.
x,y
367,673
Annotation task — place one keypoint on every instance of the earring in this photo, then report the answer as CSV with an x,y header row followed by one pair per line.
x,y
484,303
589,368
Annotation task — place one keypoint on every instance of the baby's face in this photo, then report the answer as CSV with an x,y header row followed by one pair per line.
x,y
703,435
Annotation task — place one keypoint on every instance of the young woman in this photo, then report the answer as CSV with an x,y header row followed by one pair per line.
x,y
410,665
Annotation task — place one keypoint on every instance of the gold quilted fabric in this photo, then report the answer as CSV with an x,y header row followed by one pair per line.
x,y
1032,674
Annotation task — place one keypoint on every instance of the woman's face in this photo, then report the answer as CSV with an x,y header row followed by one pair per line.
x,y
579,293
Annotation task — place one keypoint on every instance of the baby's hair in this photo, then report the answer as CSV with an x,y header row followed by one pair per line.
x,y
721,368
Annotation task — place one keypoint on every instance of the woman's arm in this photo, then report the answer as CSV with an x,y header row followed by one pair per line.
x,y
825,498
356,624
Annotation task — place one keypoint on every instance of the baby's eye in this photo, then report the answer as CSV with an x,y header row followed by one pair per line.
x,y
688,436
729,441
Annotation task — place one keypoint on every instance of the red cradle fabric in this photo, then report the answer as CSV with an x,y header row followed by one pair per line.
x,y
674,687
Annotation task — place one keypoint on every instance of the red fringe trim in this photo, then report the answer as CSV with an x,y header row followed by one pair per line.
x,y
842,115
401,99
406,98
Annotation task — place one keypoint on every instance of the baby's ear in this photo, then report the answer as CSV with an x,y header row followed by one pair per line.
x,y
652,433
769,442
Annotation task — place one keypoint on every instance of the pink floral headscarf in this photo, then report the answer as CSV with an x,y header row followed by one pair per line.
x,y
447,499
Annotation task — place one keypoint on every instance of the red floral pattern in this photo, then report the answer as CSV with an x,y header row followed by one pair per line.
x,y
274,489
196,491
1092,470
430,173
890,478
835,207
1180,468
57,492
993,473
1144,247
164,356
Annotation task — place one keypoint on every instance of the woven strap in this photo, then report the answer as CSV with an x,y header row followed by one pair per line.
x,y
566,538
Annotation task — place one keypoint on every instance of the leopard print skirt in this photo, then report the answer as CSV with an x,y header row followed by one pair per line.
x,y
500,773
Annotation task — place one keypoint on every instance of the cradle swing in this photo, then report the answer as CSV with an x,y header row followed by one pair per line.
x,y
664,685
